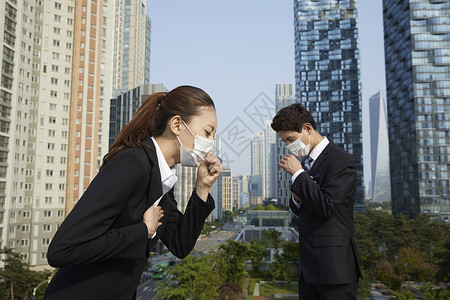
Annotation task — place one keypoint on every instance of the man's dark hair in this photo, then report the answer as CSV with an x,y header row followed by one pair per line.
x,y
292,118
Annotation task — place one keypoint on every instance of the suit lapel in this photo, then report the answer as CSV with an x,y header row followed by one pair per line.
x,y
155,189
321,158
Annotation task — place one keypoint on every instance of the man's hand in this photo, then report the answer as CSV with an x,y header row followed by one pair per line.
x,y
297,198
290,164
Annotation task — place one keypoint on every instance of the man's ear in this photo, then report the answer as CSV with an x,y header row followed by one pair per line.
x,y
308,127
174,125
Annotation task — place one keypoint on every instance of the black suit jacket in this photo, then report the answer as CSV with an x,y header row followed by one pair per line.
x,y
328,253
102,247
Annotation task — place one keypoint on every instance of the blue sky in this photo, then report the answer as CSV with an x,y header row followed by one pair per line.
x,y
236,49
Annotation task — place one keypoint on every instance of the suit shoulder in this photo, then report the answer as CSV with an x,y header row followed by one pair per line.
x,y
340,154
135,156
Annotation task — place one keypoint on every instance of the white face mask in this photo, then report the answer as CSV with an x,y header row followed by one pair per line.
x,y
298,148
193,158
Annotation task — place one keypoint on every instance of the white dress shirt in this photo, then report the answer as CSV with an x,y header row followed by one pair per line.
x,y
314,154
168,175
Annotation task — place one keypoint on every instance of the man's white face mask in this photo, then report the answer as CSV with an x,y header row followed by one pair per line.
x,y
193,158
298,148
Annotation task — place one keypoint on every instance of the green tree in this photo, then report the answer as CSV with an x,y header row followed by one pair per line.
x,y
434,293
443,261
271,238
411,265
385,272
291,251
259,207
17,281
280,268
428,236
194,279
271,207
228,216
257,254
368,246
234,254
403,295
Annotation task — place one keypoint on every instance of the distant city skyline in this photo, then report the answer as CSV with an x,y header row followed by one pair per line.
x,y
235,61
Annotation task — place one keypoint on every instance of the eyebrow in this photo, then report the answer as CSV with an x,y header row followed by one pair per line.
x,y
210,126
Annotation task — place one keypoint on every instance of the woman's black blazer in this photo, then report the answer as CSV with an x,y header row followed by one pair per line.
x,y
101,248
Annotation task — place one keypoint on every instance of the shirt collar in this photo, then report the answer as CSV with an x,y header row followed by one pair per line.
x,y
168,175
314,154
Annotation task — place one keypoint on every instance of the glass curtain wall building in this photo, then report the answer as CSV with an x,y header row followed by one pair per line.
x,y
327,77
417,57
379,150
284,96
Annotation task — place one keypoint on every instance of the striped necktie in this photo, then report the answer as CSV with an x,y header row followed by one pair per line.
x,y
307,163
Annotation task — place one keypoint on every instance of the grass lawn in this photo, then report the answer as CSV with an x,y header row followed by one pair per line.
x,y
270,289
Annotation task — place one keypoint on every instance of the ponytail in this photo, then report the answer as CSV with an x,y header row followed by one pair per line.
x,y
155,112
137,130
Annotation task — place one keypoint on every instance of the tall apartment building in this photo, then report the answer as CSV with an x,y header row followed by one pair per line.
x,y
244,197
417,59
270,164
257,186
327,76
57,80
92,79
226,179
284,96
379,150
19,67
236,191
131,44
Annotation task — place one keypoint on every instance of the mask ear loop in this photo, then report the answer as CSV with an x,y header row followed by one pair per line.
x,y
188,128
179,141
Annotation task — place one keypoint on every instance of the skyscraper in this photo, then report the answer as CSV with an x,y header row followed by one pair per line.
x,y
92,87
417,56
131,45
125,104
54,82
20,65
256,188
270,175
379,150
327,77
227,189
284,96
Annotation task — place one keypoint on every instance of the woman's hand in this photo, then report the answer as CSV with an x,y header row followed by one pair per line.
x,y
151,218
207,173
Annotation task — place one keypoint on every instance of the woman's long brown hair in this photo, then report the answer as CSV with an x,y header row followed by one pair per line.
x,y
152,116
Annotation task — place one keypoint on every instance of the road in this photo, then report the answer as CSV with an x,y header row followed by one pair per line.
x,y
148,289
211,243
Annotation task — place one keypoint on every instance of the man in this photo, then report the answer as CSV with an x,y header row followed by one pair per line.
x,y
323,196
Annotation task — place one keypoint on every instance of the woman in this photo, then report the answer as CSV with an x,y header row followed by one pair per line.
x,y
103,245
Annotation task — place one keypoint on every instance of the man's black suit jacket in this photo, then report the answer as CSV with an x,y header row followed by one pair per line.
x,y
328,253
102,247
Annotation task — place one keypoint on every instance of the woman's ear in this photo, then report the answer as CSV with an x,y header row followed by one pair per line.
x,y
175,124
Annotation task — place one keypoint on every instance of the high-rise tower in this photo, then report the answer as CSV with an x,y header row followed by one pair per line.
x,y
327,76
379,150
284,96
417,55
